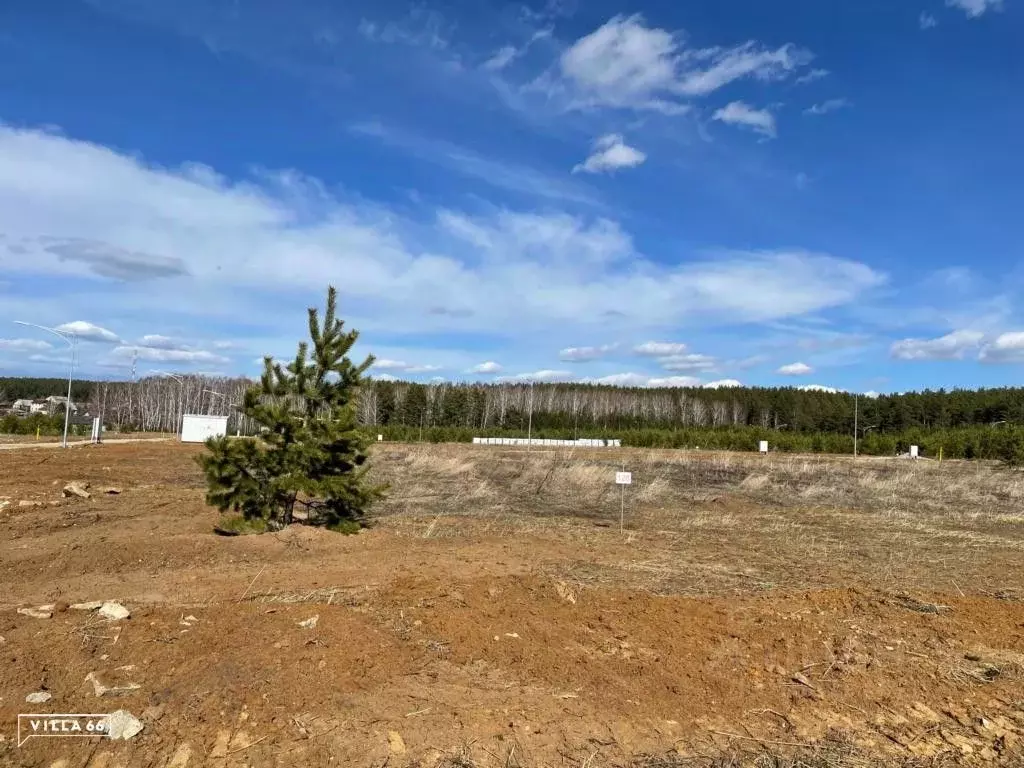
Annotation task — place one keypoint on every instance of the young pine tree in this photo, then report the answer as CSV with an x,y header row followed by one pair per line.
x,y
309,457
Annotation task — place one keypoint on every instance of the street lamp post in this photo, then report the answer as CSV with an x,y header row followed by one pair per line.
x,y
181,394
215,394
69,339
529,425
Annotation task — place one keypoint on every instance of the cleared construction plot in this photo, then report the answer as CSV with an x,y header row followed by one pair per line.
x,y
756,610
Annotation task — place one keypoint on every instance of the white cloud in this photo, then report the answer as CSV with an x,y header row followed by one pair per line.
x,y
975,8
1007,348
125,354
621,380
488,367
689,363
421,27
827,106
819,388
585,354
795,369
155,341
513,177
89,332
382,376
872,395
674,381
24,345
642,380
509,53
927,21
277,240
723,384
502,57
610,154
738,113
952,346
810,77
539,376
399,365
625,63
659,349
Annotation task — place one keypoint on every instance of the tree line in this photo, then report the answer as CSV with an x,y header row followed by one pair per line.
x,y
962,421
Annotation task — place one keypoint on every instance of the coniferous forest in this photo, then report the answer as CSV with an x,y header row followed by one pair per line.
x,y
984,423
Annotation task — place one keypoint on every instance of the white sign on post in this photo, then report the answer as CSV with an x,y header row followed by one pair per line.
x,y
623,478
913,451
764,446
380,438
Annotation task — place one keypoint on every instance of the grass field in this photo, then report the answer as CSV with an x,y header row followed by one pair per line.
x,y
751,611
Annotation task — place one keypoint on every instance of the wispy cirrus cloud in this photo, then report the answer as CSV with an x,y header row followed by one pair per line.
x,y
832,105
659,348
505,175
627,64
741,114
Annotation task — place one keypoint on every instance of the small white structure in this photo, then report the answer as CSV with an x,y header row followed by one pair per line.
x,y
763,448
97,430
380,438
197,429
549,443
623,478
913,451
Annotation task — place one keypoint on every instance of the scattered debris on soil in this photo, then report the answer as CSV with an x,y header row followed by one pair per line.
x,y
816,613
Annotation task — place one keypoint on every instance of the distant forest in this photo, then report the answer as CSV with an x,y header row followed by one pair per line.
x,y
963,423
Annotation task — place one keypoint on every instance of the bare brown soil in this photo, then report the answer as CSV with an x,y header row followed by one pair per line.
x,y
795,611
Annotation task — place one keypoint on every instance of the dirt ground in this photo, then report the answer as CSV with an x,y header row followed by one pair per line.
x,y
751,611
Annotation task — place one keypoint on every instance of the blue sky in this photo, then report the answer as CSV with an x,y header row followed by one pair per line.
x,y
789,193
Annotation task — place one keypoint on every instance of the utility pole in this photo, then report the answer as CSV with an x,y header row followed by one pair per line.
x,y
529,425
855,414
70,339
181,397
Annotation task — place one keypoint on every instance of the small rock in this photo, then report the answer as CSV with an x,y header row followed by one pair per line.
x,y
310,623
27,504
76,489
102,690
114,611
4,504
112,491
153,713
92,605
396,743
60,606
35,613
797,677
123,725
39,697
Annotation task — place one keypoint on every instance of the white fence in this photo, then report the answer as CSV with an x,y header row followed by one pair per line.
x,y
582,443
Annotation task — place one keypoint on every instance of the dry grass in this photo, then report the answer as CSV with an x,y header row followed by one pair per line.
x,y
699,523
